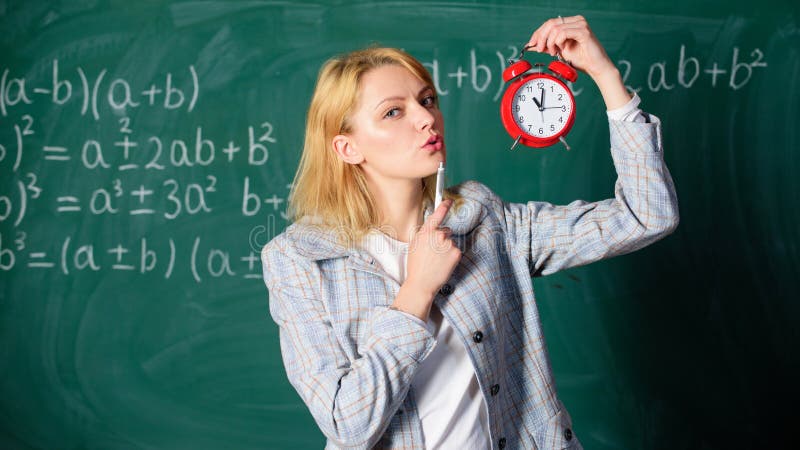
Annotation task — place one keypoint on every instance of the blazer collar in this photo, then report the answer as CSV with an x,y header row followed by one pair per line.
x,y
316,242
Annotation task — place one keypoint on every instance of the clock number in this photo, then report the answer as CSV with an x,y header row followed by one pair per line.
x,y
541,131
529,127
560,96
521,119
552,128
564,108
540,85
516,108
529,88
561,119
521,97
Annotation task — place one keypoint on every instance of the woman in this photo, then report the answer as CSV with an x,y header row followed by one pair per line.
x,y
403,327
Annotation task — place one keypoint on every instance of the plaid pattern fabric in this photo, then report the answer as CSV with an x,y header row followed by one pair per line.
x,y
352,359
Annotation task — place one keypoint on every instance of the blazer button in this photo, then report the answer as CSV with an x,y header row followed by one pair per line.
x,y
399,412
446,290
502,443
495,389
568,434
477,337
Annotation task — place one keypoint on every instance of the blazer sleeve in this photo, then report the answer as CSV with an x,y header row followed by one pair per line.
x,y
352,401
643,210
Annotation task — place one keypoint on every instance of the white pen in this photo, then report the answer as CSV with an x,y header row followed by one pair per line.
x,y
439,186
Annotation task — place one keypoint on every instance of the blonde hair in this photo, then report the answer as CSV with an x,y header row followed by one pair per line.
x,y
326,188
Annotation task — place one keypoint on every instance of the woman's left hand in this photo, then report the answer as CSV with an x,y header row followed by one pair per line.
x,y
575,41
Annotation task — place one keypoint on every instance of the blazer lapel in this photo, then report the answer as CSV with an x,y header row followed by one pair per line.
x,y
317,242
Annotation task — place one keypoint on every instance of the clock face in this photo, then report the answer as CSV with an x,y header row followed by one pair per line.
x,y
541,107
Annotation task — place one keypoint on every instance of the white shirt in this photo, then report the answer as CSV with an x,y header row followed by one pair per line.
x,y
449,400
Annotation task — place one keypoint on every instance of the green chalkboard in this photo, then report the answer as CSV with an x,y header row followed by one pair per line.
x,y
146,152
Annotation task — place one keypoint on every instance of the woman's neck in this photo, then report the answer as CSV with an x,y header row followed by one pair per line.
x,y
399,204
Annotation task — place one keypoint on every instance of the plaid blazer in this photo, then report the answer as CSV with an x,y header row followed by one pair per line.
x,y
352,359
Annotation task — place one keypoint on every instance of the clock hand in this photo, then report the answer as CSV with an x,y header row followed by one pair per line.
x,y
538,105
541,105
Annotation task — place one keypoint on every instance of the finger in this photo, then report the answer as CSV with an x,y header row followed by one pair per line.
x,y
539,37
576,22
553,27
436,218
440,244
575,33
574,19
561,33
533,42
565,32
534,37
550,45
545,35
543,40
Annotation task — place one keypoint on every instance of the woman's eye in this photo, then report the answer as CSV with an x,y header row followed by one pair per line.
x,y
429,101
394,112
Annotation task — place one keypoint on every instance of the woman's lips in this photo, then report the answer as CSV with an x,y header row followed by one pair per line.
x,y
435,143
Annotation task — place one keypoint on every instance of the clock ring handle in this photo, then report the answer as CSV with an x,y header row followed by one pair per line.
x,y
528,47
561,58
521,53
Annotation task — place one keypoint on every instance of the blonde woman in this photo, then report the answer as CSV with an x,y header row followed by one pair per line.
x,y
404,327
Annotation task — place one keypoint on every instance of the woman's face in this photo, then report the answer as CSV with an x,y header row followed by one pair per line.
x,y
397,127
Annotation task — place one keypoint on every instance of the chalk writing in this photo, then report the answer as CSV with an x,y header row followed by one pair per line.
x,y
142,257
143,177
481,73
117,94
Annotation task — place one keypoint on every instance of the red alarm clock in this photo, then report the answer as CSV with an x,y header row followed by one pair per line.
x,y
538,109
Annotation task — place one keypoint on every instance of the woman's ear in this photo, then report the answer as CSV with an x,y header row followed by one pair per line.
x,y
345,149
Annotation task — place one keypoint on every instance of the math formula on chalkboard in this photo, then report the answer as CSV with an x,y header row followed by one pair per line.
x,y
154,178
30,147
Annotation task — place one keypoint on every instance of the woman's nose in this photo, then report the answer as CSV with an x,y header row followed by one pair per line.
x,y
424,118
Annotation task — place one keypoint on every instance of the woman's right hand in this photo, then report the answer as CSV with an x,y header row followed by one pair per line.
x,y
432,257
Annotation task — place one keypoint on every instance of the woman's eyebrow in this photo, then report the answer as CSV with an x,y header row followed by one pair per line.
x,y
397,97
